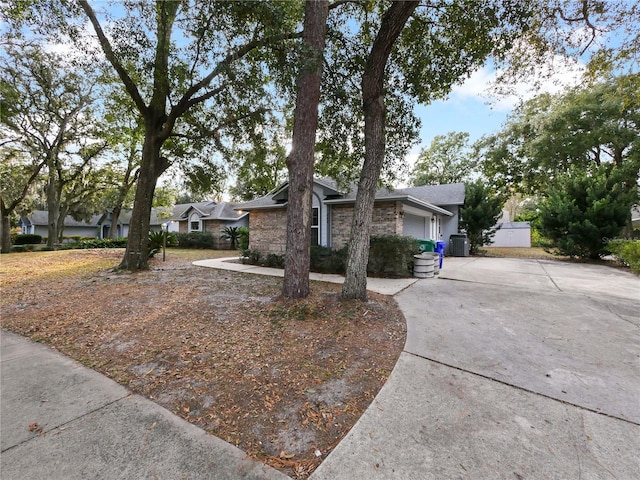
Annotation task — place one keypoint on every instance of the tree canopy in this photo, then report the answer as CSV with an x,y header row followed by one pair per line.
x,y
582,128
446,160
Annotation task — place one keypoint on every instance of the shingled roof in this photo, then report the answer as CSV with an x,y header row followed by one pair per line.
x,y
426,196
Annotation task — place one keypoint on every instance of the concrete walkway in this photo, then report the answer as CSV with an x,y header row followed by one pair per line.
x,y
512,369
384,286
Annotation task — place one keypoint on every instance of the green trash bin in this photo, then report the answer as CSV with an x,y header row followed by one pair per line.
x,y
426,245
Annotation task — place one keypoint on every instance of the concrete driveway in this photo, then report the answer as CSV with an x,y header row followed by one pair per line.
x,y
512,369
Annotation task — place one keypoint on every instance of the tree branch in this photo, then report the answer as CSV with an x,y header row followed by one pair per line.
x,y
185,102
129,84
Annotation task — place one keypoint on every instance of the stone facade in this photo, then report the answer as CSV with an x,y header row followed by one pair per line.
x,y
268,230
387,220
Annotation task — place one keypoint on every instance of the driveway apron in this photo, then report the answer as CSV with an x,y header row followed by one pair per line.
x,y
514,369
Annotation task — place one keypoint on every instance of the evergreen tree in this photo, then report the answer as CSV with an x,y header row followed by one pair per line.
x,y
478,216
582,211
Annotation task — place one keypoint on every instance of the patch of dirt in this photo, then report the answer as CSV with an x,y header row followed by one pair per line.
x,y
282,380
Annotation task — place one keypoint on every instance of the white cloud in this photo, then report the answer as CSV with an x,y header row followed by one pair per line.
x,y
553,76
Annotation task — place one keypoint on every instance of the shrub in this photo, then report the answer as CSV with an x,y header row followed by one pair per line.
x,y
18,248
251,257
156,241
195,240
231,234
28,239
273,260
98,243
627,251
392,256
326,260
389,256
243,238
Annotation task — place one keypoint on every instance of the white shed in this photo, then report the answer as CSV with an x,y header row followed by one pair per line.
x,y
512,234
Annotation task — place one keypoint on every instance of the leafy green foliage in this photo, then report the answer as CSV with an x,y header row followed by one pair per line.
x,y
478,216
156,241
232,234
195,240
326,260
627,251
583,211
243,238
447,160
27,239
582,128
96,243
392,255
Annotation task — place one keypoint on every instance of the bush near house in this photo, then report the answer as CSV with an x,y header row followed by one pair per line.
x,y
96,243
390,256
195,240
28,239
243,238
627,251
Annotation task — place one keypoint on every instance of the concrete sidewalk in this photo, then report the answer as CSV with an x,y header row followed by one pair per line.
x,y
63,421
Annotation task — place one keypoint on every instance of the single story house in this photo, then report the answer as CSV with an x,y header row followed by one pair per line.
x,y
210,217
512,234
421,212
159,215
98,226
37,223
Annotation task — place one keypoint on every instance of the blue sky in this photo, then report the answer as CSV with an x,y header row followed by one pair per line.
x,y
472,108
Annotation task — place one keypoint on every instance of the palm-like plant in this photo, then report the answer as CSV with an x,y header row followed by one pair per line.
x,y
232,234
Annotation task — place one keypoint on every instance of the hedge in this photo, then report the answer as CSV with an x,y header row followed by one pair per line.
x,y
28,239
195,240
390,256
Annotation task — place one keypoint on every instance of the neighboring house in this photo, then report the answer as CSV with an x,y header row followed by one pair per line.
x,y
512,234
98,227
159,215
210,217
420,212
635,217
37,223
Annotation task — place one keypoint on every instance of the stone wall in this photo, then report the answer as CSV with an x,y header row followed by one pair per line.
x,y
215,227
268,230
387,220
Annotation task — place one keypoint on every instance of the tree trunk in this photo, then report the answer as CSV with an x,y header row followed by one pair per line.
x,y
115,217
152,166
300,160
393,21
5,229
53,207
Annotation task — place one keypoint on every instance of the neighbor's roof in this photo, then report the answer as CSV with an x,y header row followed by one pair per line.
x,y
514,225
212,211
41,217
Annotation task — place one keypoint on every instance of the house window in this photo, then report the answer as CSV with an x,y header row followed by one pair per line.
x,y
195,223
315,227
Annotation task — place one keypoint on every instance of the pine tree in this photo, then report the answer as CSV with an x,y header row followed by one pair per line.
x,y
478,216
584,210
